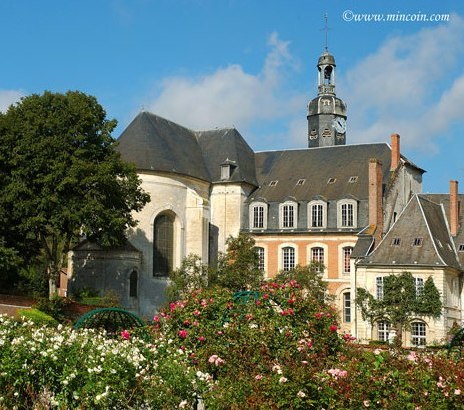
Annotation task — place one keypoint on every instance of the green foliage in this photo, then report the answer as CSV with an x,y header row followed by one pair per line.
x,y
192,274
62,177
238,268
400,303
54,306
38,317
45,367
309,278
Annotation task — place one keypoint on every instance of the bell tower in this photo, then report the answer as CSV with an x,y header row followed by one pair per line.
x,y
326,113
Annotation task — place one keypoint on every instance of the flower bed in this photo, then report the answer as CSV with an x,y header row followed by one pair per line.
x,y
279,350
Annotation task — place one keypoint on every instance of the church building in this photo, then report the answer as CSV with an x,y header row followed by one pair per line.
x,y
332,202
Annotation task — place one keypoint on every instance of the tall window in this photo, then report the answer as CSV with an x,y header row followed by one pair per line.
x,y
260,252
383,330
317,211
419,283
163,245
418,333
379,288
347,213
347,307
258,216
317,256
133,284
288,258
347,251
317,215
288,215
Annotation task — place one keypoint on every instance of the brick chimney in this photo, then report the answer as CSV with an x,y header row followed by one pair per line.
x,y
395,151
454,208
375,196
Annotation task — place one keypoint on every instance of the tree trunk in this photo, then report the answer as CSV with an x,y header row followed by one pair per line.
x,y
53,275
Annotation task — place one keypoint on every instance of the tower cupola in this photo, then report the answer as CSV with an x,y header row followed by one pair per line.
x,y
326,113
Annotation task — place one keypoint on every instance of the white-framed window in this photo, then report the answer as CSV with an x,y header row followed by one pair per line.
x,y
347,213
288,258
258,215
418,334
419,284
383,330
347,307
317,214
346,254
318,256
379,287
288,215
261,256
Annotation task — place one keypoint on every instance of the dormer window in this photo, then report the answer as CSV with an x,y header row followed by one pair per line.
x,y
396,241
317,212
258,215
353,179
417,242
288,215
461,247
227,168
301,181
347,213
273,183
331,180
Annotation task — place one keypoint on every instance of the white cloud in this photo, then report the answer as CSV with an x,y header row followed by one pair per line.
x,y
229,96
405,87
8,97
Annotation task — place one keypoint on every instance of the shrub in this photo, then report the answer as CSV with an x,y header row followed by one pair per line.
x,y
37,317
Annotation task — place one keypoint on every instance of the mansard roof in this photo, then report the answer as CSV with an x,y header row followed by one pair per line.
x,y
327,172
153,143
422,221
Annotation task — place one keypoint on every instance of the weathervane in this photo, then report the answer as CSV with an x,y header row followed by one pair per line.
x,y
326,29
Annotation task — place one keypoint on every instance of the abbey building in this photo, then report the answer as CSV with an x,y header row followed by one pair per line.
x,y
358,209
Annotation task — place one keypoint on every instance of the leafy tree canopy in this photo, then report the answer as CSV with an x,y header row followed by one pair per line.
x,y
401,302
61,176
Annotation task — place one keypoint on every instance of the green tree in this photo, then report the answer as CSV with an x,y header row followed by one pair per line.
x,y
400,302
61,177
192,274
309,278
238,268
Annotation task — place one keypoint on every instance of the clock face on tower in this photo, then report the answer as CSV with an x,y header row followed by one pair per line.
x,y
340,125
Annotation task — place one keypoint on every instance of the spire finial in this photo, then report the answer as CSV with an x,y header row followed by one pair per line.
x,y
326,29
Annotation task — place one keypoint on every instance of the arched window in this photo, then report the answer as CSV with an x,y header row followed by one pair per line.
x,y
163,245
317,211
258,215
133,279
317,256
347,251
288,258
418,334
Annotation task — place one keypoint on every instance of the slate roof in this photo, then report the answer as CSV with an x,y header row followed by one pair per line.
x,y
422,218
153,143
445,200
226,144
156,144
316,166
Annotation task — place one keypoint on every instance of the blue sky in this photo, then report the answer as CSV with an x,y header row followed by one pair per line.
x,y
251,64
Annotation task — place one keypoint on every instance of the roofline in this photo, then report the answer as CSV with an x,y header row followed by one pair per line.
x,y
328,147
428,227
